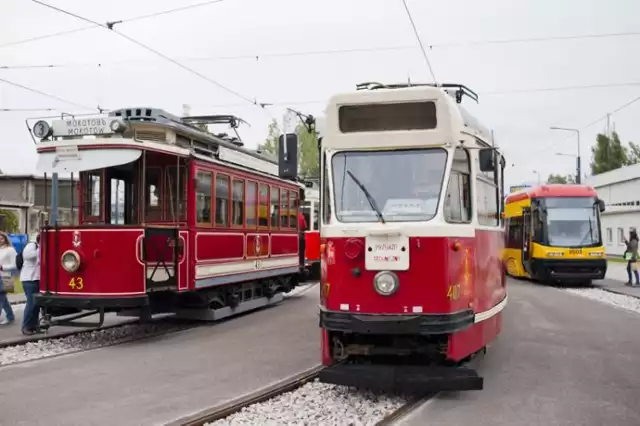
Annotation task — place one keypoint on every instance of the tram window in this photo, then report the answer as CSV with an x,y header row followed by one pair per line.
x,y
388,117
222,200
93,195
237,207
180,188
326,200
457,207
486,197
306,212
203,197
514,234
293,210
316,216
252,203
284,209
263,210
275,206
152,180
117,216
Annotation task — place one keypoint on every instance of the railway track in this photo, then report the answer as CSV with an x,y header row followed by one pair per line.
x,y
156,327
287,385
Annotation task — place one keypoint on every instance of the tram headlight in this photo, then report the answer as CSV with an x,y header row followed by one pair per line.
x,y
70,261
386,283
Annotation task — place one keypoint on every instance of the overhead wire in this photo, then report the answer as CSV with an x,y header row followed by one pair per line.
x,y
152,50
417,34
48,95
257,56
122,21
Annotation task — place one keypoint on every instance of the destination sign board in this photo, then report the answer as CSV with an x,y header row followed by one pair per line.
x,y
82,126
517,188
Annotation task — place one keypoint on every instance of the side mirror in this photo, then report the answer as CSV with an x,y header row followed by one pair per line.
x,y
487,159
288,156
600,205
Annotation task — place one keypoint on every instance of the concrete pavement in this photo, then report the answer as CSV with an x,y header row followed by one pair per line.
x,y
560,360
158,380
615,279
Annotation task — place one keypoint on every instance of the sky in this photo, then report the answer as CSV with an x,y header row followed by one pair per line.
x,y
283,52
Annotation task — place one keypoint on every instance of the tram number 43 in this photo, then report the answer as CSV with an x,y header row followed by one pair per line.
x,y
76,283
453,293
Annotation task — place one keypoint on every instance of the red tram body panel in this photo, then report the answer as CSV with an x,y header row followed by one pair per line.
x,y
412,281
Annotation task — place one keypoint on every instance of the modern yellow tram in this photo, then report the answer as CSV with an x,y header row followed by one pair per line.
x,y
553,234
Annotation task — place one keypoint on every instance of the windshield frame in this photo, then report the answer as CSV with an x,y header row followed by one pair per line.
x,y
543,206
374,218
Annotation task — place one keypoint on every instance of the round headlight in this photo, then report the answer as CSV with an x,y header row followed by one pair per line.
x,y
70,261
386,283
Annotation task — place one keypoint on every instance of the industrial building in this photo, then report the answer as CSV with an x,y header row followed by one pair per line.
x,y
619,189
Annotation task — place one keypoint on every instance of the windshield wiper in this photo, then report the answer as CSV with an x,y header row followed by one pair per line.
x,y
370,199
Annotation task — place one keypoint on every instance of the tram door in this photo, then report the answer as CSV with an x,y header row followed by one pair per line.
x,y
526,240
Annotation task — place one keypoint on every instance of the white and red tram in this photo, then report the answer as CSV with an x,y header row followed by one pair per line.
x,y
412,282
172,218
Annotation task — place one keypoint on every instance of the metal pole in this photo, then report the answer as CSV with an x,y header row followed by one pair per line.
x,y
54,199
579,165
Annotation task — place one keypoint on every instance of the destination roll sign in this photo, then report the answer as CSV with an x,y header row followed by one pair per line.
x,y
82,126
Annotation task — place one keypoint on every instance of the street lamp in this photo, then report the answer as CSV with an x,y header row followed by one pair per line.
x,y
578,162
536,173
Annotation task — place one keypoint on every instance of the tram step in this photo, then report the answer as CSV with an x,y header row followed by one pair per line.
x,y
403,378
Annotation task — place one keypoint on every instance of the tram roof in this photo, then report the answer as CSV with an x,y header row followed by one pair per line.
x,y
446,121
552,190
147,129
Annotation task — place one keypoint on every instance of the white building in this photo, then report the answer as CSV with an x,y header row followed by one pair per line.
x,y
620,191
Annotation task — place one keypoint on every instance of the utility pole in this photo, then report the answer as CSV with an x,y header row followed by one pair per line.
x,y
578,160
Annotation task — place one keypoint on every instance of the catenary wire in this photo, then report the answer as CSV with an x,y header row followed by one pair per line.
x,y
39,92
152,50
257,56
132,19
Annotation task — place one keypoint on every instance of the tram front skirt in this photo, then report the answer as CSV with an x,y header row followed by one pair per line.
x,y
402,378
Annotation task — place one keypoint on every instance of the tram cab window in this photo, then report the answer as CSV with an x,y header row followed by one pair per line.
x,y
326,195
514,233
203,197
153,206
222,200
92,196
457,204
176,191
487,198
305,209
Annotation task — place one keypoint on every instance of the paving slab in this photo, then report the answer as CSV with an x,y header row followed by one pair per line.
x,y
155,381
615,280
561,360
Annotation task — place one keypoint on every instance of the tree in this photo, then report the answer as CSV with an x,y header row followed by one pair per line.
x,y
633,153
561,179
271,143
308,162
608,154
9,222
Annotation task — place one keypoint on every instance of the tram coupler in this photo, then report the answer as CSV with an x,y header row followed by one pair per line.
x,y
47,322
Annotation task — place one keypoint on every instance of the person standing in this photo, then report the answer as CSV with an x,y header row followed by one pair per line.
x,y
631,256
7,264
30,278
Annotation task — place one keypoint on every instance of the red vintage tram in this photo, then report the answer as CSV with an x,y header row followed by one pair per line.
x,y
172,218
412,282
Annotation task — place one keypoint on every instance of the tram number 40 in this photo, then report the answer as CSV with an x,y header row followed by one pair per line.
x,y
76,283
453,293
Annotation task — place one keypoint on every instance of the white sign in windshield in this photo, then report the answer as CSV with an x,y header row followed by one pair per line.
x,y
81,126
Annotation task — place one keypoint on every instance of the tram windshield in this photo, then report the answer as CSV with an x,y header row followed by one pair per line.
x,y
571,221
388,186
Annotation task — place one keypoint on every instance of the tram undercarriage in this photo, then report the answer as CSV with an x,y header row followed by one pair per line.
x,y
205,305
